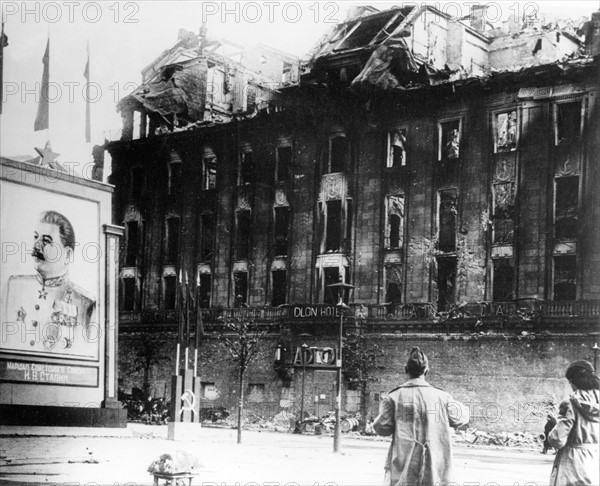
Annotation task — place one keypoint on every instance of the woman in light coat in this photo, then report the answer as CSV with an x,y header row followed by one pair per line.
x,y
577,428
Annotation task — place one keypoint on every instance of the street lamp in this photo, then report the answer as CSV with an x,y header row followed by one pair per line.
x,y
337,435
595,349
304,347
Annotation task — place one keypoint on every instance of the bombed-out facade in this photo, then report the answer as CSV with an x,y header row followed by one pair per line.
x,y
454,191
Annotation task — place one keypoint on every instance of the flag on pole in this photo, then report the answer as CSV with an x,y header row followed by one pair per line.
x,y
3,44
86,75
43,112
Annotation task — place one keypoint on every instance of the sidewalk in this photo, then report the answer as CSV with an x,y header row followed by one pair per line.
x,y
263,458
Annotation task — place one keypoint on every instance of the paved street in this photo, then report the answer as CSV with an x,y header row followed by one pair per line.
x,y
263,458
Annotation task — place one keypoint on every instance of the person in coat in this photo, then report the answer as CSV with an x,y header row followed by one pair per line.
x,y
418,416
576,432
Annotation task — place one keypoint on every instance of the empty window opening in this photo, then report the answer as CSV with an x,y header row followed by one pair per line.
x,y
133,238
170,292
137,182
565,287
244,231
447,214
504,210
397,148
333,238
205,290
449,140
565,217
506,131
240,289
568,121
502,284
209,173
128,294
281,227
339,152
284,162
175,177
446,281
538,46
395,222
246,168
279,281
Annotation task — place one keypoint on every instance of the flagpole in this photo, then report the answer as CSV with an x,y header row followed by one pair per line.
x,y
198,317
187,324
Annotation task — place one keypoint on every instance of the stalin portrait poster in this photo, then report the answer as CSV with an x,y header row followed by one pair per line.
x,y
50,274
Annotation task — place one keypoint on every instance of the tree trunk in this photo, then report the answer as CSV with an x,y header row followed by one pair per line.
x,y
240,406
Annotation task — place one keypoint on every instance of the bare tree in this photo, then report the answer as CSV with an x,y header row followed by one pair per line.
x,y
241,337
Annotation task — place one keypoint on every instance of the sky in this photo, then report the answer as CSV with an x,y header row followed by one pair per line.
x,y
126,36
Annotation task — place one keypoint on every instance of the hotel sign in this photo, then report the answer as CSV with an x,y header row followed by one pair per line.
x,y
316,357
316,311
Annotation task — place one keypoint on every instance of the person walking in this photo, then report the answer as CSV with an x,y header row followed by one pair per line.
x,y
576,432
418,416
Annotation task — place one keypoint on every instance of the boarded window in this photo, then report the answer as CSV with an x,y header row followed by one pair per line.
x,y
207,236
449,140
564,278
279,280
503,280
128,294
446,281
246,168
396,148
205,290
170,292
395,221
333,237
208,390
568,121
133,239
240,288
282,215
172,241
244,231
256,392
209,173
447,214
284,163
504,210
506,131
565,217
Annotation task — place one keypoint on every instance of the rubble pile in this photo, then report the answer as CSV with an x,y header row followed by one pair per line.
x,y
517,439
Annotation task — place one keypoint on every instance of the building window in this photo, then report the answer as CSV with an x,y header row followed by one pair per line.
x,y
250,97
244,232
449,136
279,281
333,235
172,241
170,292
336,155
447,216
504,211
282,222
128,302
205,290
175,177
132,232
394,237
502,285
284,163
396,148
505,125
564,278
329,276
446,281
246,171
565,208
137,183
393,286
209,173
567,121
240,289
207,236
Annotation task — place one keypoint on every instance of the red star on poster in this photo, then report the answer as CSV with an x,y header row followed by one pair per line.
x,y
48,157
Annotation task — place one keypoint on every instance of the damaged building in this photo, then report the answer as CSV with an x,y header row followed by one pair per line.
x,y
445,170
